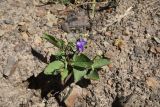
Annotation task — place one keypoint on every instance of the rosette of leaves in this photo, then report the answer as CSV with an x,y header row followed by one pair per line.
x,y
69,62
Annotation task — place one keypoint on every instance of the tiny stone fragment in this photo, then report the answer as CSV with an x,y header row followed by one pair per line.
x,y
24,36
52,19
99,52
37,40
126,31
157,39
153,50
157,49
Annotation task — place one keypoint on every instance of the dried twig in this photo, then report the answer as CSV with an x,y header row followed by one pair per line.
x,y
117,18
85,3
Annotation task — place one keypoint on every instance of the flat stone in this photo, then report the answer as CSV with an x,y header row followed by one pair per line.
x,y
24,36
10,64
2,32
76,21
157,49
65,27
75,92
82,21
9,21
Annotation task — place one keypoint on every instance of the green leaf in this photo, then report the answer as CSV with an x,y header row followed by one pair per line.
x,y
64,74
65,1
78,74
98,63
53,66
60,53
55,41
82,61
93,75
74,56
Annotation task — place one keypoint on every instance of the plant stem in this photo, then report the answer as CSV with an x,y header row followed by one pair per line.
x,y
68,77
93,8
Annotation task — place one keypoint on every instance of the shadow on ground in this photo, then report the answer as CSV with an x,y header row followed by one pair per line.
x,y
50,83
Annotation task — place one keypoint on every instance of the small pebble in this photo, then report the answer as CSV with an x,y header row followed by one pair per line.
x,y
157,49
8,21
153,50
65,27
99,52
157,39
24,36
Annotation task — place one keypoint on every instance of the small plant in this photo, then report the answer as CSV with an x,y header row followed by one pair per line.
x,y
70,61
65,1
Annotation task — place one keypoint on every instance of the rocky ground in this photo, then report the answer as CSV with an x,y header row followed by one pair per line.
x,y
127,32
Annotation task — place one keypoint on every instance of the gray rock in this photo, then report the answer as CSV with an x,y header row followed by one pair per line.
x,y
10,64
65,27
76,21
9,21
138,51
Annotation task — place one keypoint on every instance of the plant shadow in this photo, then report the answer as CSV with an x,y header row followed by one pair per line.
x,y
38,55
51,84
111,4
117,103
47,84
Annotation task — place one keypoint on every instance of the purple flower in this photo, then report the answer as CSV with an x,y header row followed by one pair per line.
x,y
80,45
